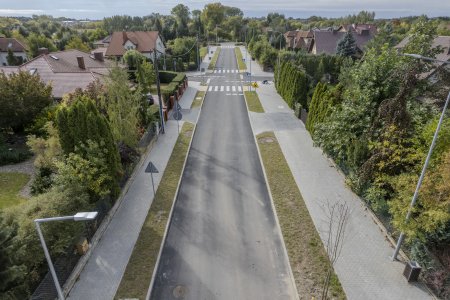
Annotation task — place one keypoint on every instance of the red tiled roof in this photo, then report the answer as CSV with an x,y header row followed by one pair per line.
x,y
145,41
12,44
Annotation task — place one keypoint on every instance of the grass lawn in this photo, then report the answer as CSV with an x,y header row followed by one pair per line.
x,y
240,59
137,276
198,100
307,255
253,102
213,62
10,186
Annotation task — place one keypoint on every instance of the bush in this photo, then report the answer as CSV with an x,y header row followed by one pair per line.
x,y
167,76
13,156
42,182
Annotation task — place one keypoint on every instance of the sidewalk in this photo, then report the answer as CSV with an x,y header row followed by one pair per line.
x,y
101,276
256,68
364,267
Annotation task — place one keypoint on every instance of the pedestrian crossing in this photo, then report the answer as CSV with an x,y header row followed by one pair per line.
x,y
226,71
225,88
227,47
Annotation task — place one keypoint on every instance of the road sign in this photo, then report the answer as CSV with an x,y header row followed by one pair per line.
x,y
151,168
177,115
178,106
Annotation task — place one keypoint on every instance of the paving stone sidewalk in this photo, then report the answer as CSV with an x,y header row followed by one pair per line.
x,y
364,267
102,274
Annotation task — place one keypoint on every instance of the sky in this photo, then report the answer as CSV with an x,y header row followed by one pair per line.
x,y
98,9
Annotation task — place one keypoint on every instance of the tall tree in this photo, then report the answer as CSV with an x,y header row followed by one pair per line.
x,y
347,45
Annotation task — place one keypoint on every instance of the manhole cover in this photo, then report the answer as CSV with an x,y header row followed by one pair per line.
x,y
266,140
180,291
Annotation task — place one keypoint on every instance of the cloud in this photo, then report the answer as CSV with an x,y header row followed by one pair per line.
x,y
76,10
20,12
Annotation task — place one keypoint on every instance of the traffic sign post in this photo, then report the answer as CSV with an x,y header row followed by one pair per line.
x,y
151,169
177,115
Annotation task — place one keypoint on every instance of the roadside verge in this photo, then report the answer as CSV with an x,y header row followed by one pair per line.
x,y
309,260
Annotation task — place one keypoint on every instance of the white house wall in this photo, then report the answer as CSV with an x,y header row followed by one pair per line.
x,y
4,55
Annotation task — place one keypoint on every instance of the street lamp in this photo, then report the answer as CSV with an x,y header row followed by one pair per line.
x,y
278,64
81,216
430,152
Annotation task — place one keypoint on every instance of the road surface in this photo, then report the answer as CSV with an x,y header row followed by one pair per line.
x,y
223,241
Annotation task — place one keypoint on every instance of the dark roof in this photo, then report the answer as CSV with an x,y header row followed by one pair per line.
x,y
439,41
326,41
145,41
60,69
10,43
359,28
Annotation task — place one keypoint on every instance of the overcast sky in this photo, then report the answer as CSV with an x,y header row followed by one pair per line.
x,y
97,9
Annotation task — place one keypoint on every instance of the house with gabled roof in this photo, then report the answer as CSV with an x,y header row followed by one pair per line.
x,y
143,41
298,39
11,44
65,70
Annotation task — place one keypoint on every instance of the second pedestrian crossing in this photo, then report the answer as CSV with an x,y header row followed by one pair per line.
x,y
224,88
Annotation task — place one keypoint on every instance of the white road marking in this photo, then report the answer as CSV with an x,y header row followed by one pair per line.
x,y
210,89
233,88
239,88
228,88
216,88
221,88
208,81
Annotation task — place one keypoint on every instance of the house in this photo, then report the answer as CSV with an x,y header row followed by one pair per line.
x,y
440,41
15,46
143,41
65,70
299,39
359,29
326,41
104,43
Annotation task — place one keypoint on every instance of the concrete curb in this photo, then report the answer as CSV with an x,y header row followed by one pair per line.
x,y
152,281
70,282
271,201
235,55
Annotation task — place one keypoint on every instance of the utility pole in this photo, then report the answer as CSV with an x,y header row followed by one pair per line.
x,y
217,40
198,54
158,87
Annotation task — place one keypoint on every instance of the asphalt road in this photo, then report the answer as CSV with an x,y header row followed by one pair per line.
x,y
223,241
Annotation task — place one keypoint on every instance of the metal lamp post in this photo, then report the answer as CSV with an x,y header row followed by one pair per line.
x,y
427,160
81,216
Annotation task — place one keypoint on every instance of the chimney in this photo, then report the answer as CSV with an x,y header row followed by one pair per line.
x,y
43,51
98,56
80,60
124,36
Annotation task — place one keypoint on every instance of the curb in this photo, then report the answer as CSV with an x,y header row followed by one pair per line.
x,y
169,220
271,201
70,282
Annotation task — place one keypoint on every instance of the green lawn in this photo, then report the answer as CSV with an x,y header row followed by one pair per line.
x,y
10,186
213,62
253,102
198,100
307,255
240,59
138,273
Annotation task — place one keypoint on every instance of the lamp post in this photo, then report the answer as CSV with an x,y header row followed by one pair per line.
x,y
427,160
278,63
81,216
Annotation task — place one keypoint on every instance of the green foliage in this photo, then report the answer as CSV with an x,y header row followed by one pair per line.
x,y
36,41
12,156
13,60
122,107
145,76
22,97
133,58
292,85
77,43
347,45
81,122
47,149
88,167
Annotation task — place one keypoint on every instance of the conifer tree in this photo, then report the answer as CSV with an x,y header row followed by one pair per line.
x,y
347,45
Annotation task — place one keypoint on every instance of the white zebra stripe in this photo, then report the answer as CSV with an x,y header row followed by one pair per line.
x,y
233,88
221,88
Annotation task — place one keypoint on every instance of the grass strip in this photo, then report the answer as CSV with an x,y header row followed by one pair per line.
x,y
138,273
203,52
253,102
10,186
307,255
240,60
198,100
213,62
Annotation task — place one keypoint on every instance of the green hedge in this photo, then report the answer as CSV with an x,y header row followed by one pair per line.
x,y
167,76
293,84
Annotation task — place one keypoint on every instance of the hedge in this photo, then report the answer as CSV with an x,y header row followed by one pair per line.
x,y
292,85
